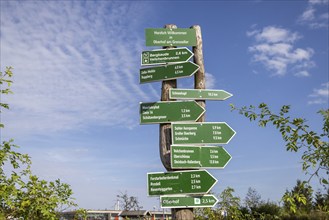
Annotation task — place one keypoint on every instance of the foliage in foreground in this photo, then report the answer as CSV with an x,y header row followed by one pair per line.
x,y
24,195
253,208
298,137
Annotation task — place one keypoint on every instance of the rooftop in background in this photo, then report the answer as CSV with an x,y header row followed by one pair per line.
x,y
118,215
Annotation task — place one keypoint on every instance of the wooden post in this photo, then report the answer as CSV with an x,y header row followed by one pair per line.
x,y
199,77
199,83
165,129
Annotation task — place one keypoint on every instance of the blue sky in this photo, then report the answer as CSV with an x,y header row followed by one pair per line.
x,y
75,107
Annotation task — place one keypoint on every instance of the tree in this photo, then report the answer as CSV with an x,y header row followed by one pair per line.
x,y
22,194
128,202
298,137
321,201
300,198
228,207
253,199
229,204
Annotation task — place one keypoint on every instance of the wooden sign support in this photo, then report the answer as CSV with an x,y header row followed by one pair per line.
x,y
165,129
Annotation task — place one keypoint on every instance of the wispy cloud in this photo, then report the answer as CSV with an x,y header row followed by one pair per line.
x,y
210,81
274,48
320,95
315,15
73,67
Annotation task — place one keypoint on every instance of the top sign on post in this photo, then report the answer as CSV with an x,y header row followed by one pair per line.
x,y
170,37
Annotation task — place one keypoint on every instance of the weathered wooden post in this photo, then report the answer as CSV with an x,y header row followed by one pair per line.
x,y
165,129
199,76
165,141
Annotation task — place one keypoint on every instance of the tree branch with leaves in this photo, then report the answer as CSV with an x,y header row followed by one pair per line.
x,y
298,137
23,194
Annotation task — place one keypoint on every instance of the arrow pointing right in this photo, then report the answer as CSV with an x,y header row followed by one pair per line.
x,y
165,56
183,182
183,201
166,112
168,72
206,157
201,133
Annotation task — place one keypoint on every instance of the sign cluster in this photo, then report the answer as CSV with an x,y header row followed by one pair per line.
x,y
185,188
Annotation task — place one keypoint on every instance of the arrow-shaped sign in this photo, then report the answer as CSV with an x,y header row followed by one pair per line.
x,y
204,94
189,157
164,56
166,112
201,133
184,182
184,201
167,72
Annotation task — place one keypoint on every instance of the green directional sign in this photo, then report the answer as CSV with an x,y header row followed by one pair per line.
x,y
176,55
205,94
189,157
170,37
185,201
201,133
167,72
183,182
166,112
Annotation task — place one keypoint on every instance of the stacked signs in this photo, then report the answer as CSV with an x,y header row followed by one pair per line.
x,y
186,188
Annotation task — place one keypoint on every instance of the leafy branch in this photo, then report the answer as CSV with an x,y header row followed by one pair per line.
x,y
297,136
22,194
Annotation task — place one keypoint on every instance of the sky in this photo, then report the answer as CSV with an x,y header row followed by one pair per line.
x,y
75,107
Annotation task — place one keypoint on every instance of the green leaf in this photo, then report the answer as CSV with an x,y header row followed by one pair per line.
x,y
324,181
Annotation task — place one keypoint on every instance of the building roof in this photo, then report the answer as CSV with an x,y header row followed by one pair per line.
x,y
135,213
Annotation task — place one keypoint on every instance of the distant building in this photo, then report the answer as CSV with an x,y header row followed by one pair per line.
x,y
119,215
93,215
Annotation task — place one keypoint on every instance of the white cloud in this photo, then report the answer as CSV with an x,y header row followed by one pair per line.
x,y
315,15
274,34
210,81
320,95
315,2
274,47
72,67
303,73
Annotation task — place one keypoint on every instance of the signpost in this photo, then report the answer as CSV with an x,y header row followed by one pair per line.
x,y
189,157
167,72
164,56
179,140
170,37
182,201
201,133
184,182
165,112
199,94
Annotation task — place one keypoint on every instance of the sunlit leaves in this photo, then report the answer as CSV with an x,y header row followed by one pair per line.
x,y
22,194
298,137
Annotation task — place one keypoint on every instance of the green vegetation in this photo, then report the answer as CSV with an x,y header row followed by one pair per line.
x,y
254,208
297,136
24,195
298,203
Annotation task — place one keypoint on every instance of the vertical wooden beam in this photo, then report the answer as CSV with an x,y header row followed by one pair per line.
x,y
165,129
199,76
